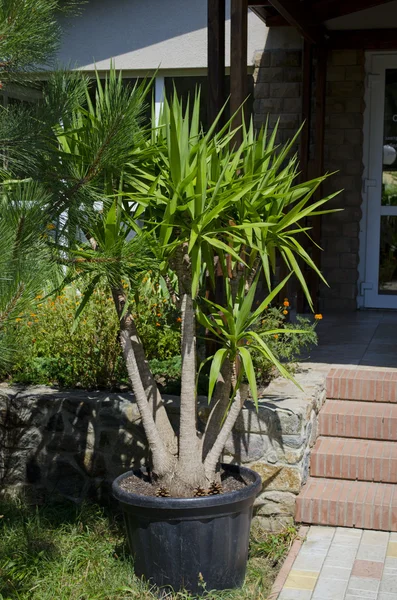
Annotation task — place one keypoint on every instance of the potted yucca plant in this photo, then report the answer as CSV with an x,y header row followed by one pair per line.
x,y
201,212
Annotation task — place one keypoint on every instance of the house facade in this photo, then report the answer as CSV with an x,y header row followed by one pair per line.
x,y
327,64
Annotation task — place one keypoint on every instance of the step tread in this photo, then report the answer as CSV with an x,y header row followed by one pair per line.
x,y
344,503
378,385
356,419
357,459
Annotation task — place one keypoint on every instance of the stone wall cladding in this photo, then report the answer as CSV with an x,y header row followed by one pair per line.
x,y
277,91
278,78
73,443
343,153
276,441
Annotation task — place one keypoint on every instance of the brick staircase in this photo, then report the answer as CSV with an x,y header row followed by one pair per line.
x,y
353,466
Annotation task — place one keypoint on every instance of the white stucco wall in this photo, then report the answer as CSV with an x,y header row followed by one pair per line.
x,y
145,35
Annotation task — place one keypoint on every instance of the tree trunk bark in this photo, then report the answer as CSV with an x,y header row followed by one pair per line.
x,y
213,457
219,407
151,390
190,466
163,460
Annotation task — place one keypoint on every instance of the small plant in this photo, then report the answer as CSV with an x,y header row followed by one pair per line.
x,y
273,546
288,347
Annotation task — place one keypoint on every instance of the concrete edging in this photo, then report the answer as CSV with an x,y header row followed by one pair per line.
x,y
288,563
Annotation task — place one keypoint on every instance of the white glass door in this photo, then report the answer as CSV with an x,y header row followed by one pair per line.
x,y
381,185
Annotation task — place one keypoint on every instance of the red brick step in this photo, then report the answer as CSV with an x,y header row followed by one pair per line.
x,y
336,502
378,385
363,460
352,419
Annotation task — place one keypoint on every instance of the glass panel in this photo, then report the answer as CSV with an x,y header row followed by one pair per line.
x,y
388,255
389,177
388,223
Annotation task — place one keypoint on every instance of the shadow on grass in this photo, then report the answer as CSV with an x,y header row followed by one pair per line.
x,y
71,552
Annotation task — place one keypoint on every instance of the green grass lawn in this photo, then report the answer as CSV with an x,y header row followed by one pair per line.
x,y
65,552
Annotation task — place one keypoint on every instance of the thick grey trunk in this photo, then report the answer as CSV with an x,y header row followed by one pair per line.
x,y
151,390
213,457
163,460
190,467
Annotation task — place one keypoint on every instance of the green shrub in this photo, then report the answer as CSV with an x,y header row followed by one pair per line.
x,y
50,352
287,347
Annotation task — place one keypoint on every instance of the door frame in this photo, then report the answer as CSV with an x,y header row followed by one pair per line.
x,y
368,296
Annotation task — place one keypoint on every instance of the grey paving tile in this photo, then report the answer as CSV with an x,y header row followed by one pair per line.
x,y
309,562
385,596
373,553
354,597
359,584
329,589
337,572
375,538
340,556
388,583
390,563
317,532
349,531
363,594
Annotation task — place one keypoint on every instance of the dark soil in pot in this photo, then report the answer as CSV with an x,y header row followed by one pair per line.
x,y
195,544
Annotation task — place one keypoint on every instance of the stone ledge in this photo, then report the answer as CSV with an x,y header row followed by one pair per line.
x,y
74,443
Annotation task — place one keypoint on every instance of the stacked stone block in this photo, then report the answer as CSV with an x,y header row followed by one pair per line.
x,y
73,443
344,154
278,95
277,92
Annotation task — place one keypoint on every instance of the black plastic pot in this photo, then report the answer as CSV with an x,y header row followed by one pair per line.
x,y
185,543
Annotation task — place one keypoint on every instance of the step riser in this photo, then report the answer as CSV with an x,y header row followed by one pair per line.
x,y
353,467
363,420
356,505
367,386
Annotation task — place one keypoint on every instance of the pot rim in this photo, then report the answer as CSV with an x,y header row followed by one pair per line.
x,y
250,490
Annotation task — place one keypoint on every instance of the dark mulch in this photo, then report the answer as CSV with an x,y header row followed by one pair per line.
x,y
142,484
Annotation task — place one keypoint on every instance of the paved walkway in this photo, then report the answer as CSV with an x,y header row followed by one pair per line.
x,y
365,338
336,563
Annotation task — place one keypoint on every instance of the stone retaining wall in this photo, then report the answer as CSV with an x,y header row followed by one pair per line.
x,y
74,443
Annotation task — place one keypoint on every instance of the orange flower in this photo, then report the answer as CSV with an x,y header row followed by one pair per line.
x,y
159,314
50,226
30,323
276,336
179,320
285,303
33,315
318,317
285,312
158,325
18,320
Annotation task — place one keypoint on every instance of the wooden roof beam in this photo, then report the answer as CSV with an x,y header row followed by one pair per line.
x,y
331,9
363,39
260,12
298,16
